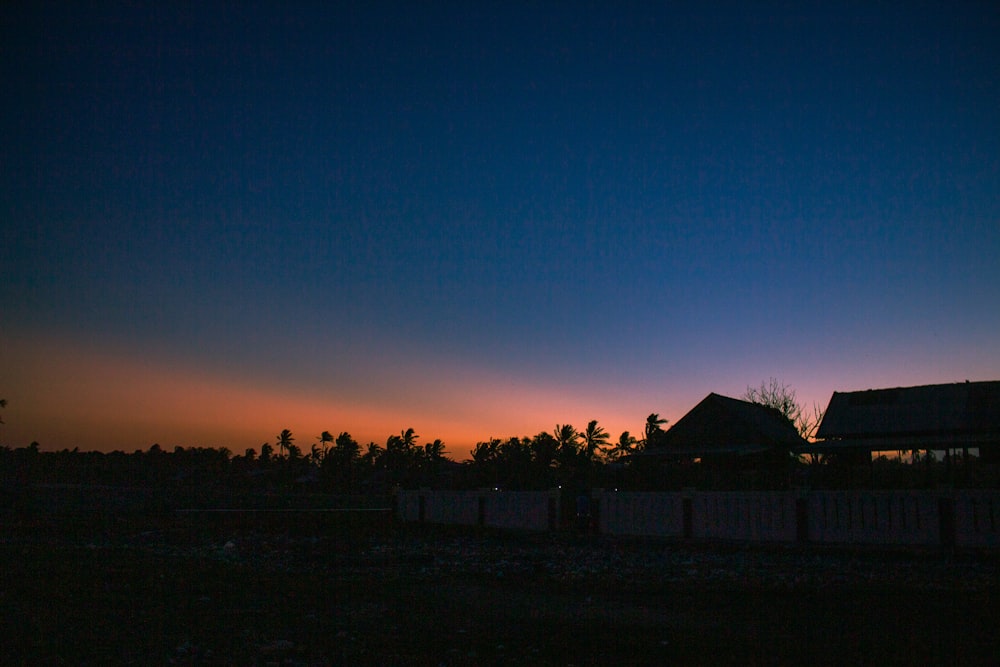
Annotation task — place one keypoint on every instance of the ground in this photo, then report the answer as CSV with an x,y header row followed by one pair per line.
x,y
276,589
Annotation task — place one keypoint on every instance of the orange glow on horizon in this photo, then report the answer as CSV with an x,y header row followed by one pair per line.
x,y
64,396
95,400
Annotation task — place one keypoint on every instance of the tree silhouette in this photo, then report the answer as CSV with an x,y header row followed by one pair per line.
x,y
544,448
516,450
595,440
408,438
566,437
626,445
374,457
486,461
325,438
340,464
653,430
781,397
285,440
485,452
434,451
568,440
346,449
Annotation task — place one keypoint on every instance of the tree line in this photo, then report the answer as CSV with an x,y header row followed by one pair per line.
x,y
563,456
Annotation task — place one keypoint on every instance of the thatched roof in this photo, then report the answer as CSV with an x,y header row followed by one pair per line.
x,y
723,425
930,416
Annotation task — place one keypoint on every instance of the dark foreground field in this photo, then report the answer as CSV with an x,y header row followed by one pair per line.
x,y
359,590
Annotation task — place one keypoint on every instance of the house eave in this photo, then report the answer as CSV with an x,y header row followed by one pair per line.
x,y
902,442
696,451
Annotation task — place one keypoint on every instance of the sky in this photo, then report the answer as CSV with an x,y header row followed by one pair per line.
x,y
220,220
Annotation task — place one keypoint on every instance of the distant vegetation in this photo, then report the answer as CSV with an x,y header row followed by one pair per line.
x,y
339,464
564,457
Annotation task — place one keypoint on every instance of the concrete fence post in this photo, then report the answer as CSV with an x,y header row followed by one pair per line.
x,y
946,521
553,507
687,513
802,519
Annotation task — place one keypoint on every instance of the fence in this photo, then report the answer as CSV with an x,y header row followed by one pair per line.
x,y
521,510
951,518
977,519
756,517
878,517
636,513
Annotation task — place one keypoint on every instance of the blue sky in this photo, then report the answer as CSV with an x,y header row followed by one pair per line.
x,y
485,219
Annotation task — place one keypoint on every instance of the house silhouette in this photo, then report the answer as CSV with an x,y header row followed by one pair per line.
x,y
947,417
729,432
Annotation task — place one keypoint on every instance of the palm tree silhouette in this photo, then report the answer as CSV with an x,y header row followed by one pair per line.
x,y
408,439
285,440
346,449
434,451
626,445
567,440
566,436
654,429
595,440
373,455
486,451
543,449
325,438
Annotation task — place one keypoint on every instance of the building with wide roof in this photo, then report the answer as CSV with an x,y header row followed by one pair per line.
x,y
720,428
941,417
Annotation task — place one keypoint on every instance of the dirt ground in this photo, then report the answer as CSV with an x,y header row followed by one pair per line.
x,y
197,590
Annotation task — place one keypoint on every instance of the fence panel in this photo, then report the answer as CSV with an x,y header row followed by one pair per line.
x,y
524,510
764,516
977,519
641,514
960,518
874,517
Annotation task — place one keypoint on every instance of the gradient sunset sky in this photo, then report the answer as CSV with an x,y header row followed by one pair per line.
x,y
482,219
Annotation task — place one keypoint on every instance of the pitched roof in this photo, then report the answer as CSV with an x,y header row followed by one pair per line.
x,y
908,417
968,407
723,425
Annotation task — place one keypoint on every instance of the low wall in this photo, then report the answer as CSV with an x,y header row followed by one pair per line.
x,y
767,517
963,518
876,517
977,518
636,513
448,507
756,517
519,510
